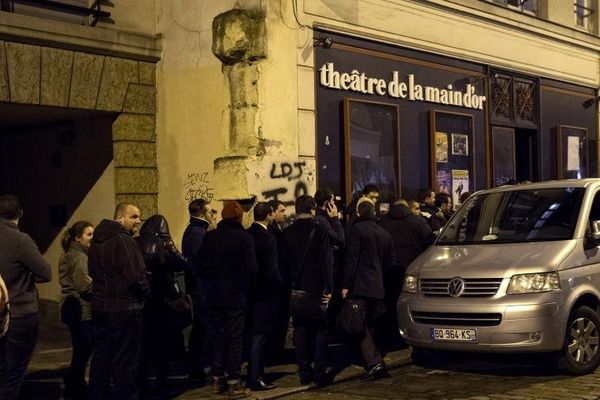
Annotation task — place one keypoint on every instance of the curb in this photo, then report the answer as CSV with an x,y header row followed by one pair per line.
x,y
392,364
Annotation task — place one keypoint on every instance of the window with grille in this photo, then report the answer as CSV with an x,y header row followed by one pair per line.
x,y
526,6
583,12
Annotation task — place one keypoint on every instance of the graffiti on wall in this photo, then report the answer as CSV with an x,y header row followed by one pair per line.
x,y
197,185
284,180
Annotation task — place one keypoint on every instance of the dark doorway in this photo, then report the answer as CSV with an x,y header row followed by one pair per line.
x,y
526,155
50,158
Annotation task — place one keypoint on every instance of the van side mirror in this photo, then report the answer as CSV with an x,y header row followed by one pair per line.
x,y
592,239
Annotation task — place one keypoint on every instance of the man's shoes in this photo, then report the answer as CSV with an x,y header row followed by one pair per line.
x,y
236,391
325,380
261,385
378,371
219,385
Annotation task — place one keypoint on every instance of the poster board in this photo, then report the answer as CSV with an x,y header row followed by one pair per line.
x,y
572,158
452,153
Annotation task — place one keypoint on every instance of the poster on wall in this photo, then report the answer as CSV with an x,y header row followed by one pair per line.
x,y
460,144
444,181
460,184
441,147
573,161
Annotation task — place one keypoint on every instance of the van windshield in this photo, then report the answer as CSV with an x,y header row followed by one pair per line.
x,y
514,217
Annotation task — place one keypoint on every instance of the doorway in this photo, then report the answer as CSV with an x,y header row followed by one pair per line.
x,y
514,155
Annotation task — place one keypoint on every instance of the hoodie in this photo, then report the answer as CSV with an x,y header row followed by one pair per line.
x,y
410,233
117,269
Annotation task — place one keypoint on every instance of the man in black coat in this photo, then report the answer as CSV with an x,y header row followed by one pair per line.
x,y
276,341
368,253
202,219
315,275
120,288
227,261
262,299
21,267
432,214
410,236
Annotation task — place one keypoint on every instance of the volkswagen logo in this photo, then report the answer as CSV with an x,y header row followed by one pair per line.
x,y
456,287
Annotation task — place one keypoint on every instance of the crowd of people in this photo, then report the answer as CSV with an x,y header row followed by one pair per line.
x,y
126,309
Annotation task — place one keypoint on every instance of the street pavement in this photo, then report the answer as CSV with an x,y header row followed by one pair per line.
x,y
461,377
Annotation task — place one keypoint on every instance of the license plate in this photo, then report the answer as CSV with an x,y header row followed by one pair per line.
x,y
454,335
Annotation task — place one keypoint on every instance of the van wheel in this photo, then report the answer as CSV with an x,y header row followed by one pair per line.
x,y
580,354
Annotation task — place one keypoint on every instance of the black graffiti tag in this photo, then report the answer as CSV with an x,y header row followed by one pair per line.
x,y
286,170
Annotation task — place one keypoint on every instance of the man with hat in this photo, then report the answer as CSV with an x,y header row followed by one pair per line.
x,y
227,261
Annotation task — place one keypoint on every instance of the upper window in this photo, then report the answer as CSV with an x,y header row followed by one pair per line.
x,y
583,12
528,6
81,12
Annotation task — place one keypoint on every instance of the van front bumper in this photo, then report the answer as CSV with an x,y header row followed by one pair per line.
x,y
532,327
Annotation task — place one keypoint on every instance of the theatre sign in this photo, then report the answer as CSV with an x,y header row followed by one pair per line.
x,y
408,89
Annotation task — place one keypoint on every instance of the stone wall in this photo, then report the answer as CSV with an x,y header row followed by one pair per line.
x,y
38,75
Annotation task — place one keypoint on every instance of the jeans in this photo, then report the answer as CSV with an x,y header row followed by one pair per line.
x,y
257,357
228,327
118,336
82,339
16,349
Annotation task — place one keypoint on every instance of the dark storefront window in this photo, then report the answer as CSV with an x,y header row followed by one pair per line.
x,y
371,138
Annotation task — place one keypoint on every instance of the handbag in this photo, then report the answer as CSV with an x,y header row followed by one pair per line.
x,y
305,304
352,316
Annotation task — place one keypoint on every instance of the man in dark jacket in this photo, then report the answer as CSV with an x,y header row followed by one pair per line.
x,y
202,219
368,254
410,236
227,261
21,267
120,287
276,341
315,275
433,215
262,298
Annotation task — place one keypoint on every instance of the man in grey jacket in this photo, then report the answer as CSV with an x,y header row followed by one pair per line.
x,y
21,267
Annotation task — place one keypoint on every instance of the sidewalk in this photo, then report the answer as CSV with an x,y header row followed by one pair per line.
x,y
53,354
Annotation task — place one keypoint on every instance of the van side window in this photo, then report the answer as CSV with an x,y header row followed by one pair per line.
x,y
595,210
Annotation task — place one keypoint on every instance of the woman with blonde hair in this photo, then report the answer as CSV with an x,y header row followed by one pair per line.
x,y
76,285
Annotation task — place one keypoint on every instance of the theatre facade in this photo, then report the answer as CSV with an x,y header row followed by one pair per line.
x,y
406,119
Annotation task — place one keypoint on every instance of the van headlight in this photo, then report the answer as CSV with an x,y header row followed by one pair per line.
x,y
534,283
411,284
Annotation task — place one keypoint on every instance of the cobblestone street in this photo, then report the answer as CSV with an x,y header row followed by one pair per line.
x,y
474,378
465,377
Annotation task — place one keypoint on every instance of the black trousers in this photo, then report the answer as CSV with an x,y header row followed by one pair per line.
x,y
200,337
228,328
368,348
118,337
82,340
257,357
16,349
311,338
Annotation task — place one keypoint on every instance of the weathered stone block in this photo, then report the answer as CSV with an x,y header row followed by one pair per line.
x,y
147,203
56,76
134,154
4,93
239,35
135,127
85,80
24,72
230,178
147,73
141,99
244,132
116,76
306,133
243,88
136,180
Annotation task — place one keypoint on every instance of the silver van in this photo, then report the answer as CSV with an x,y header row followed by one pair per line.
x,y
516,269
